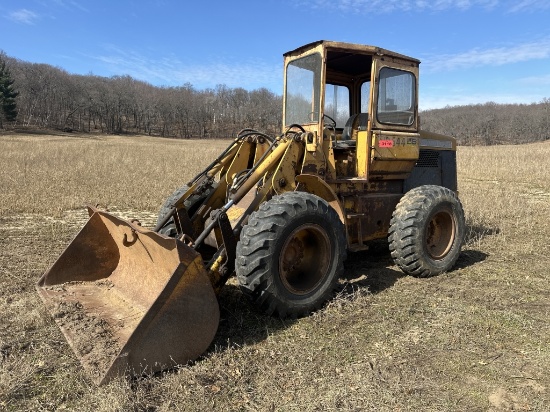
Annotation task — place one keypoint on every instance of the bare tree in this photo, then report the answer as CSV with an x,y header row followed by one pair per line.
x,y
50,97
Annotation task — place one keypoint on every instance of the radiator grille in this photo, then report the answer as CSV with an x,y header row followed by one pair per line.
x,y
428,158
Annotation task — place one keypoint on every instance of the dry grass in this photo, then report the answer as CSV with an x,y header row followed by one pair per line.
x,y
476,338
51,174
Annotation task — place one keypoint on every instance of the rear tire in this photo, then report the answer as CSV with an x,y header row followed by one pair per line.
x,y
427,231
291,254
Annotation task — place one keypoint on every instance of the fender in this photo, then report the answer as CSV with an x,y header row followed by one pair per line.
x,y
314,184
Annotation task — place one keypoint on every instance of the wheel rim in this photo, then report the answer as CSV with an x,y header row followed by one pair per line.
x,y
440,234
304,259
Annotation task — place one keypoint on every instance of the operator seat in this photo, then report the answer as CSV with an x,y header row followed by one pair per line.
x,y
355,122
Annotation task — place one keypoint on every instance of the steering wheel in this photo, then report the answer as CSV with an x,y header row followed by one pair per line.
x,y
313,115
295,125
333,124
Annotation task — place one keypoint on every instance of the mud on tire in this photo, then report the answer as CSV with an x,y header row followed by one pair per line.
x,y
290,254
427,231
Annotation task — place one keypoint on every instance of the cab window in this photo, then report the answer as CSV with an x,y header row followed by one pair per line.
x,y
365,97
302,90
396,97
337,104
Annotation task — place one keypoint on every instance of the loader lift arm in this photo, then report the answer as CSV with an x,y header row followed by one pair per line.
x,y
248,167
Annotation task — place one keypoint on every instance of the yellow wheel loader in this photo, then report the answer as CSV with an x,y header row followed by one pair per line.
x,y
351,165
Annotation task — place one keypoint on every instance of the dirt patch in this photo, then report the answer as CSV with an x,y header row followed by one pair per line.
x,y
91,338
503,400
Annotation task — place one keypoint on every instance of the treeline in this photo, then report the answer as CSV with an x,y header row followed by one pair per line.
x,y
491,123
50,98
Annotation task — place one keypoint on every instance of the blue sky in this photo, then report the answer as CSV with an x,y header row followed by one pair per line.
x,y
472,51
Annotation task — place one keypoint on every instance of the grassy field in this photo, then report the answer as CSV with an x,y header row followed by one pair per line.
x,y
474,339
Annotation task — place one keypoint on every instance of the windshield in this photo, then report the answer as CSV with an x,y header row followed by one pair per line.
x,y
303,84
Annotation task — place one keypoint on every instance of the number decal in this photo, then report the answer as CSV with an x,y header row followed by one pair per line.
x,y
385,143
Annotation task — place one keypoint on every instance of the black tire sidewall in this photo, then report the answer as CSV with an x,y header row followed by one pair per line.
x,y
409,227
261,243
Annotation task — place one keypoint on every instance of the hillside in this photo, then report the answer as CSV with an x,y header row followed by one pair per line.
x,y
52,99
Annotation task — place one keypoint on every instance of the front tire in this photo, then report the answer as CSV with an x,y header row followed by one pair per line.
x,y
427,231
291,254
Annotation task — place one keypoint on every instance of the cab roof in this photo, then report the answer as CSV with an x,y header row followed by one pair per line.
x,y
350,47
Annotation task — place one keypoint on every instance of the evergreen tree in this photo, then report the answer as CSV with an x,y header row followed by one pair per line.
x,y
8,107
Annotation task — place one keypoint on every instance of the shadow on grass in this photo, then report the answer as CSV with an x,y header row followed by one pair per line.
x,y
468,258
241,323
67,132
475,233
38,132
371,271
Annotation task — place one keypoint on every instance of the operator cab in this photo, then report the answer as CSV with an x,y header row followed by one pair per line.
x,y
359,98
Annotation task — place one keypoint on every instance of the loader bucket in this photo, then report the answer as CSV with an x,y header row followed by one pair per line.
x,y
128,300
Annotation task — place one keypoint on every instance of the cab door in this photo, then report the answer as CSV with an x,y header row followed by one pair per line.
x,y
394,140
